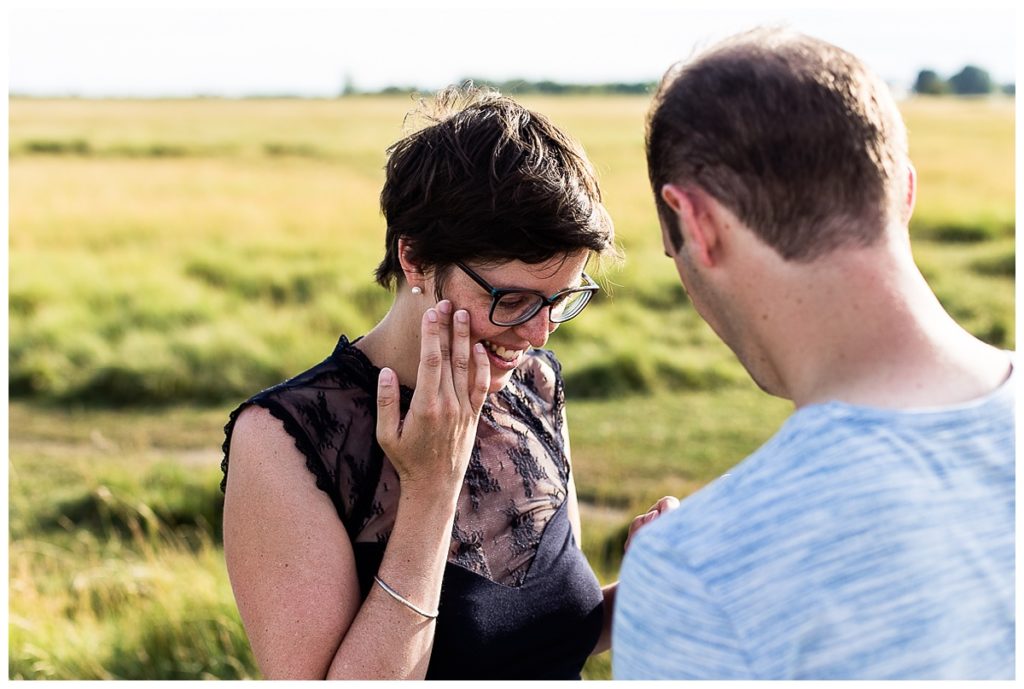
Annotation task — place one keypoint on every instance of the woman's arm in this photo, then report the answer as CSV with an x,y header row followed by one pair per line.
x,y
294,575
604,641
290,560
662,506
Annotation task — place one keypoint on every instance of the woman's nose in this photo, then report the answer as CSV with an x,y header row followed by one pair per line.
x,y
537,329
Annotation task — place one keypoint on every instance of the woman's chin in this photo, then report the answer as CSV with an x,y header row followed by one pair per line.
x,y
499,379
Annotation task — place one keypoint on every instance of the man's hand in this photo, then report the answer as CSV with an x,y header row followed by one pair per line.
x,y
666,504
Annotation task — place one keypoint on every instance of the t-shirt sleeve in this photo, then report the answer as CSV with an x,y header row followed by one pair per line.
x,y
667,624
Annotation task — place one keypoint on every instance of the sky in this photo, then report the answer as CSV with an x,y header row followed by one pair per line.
x,y
144,50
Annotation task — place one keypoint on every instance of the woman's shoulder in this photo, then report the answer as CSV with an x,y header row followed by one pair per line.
x,y
544,359
542,362
318,408
328,413
541,374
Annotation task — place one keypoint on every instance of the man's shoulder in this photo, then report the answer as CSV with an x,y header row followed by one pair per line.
x,y
708,517
825,462
773,466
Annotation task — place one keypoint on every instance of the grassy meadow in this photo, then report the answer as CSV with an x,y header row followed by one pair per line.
x,y
170,258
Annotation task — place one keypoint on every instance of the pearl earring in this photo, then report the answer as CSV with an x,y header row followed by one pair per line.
x,y
417,290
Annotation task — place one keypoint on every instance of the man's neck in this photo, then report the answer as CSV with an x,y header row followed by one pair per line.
x,y
864,328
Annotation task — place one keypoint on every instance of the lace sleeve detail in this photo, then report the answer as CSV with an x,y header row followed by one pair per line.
x,y
314,461
542,376
558,395
558,414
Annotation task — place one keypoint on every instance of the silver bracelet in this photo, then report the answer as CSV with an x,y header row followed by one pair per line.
x,y
394,594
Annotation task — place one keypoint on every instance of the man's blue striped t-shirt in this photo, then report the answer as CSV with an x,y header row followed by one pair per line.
x,y
857,543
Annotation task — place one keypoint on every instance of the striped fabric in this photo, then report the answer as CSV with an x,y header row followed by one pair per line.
x,y
857,543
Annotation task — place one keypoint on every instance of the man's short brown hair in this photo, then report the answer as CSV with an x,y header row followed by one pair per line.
x,y
488,180
792,134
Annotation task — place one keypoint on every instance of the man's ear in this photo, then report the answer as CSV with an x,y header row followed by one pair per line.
x,y
414,277
696,223
911,195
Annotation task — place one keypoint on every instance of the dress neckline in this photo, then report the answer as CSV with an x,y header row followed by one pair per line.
x,y
347,350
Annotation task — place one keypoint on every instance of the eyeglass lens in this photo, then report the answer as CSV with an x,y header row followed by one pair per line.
x,y
516,307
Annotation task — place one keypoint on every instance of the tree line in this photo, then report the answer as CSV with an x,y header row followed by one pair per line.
x,y
522,86
969,81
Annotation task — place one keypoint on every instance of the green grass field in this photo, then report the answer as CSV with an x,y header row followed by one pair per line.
x,y
169,258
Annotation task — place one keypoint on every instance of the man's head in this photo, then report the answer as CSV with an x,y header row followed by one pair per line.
x,y
791,134
777,160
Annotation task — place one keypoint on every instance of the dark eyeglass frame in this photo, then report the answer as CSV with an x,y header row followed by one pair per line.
x,y
587,289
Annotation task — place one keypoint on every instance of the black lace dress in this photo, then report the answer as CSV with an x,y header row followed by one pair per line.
x,y
518,600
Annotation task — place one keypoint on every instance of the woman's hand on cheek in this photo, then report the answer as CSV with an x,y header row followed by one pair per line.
x,y
431,446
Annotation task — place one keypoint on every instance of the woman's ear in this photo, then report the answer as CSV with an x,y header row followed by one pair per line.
x,y
414,277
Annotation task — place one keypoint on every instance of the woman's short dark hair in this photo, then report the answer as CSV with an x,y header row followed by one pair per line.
x,y
792,134
489,181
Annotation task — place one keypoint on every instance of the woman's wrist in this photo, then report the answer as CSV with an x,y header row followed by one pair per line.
x,y
429,491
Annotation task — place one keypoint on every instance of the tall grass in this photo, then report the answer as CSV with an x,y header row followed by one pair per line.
x,y
113,610
201,278
116,571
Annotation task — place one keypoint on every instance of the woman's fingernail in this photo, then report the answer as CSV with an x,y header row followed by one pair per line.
x,y
461,316
445,307
432,315
387,377
478,348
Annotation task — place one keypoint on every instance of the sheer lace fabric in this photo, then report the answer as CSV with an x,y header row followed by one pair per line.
x,y
518,474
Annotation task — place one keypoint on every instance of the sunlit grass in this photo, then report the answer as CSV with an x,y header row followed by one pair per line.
x,y
204,276
115,566
963,151
96,609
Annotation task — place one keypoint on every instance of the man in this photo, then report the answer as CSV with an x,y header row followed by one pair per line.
x,y
873,536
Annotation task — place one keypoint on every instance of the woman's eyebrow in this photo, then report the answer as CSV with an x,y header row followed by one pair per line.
x,y
578,282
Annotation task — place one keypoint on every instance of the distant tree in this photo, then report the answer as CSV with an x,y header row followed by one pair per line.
x,y
349,88
930,84
547,86
970,81
639,87
1010,89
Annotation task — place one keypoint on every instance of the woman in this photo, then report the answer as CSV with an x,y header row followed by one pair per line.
x,y
406,508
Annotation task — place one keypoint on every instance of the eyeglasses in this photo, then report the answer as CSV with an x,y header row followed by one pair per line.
x,y
516,306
